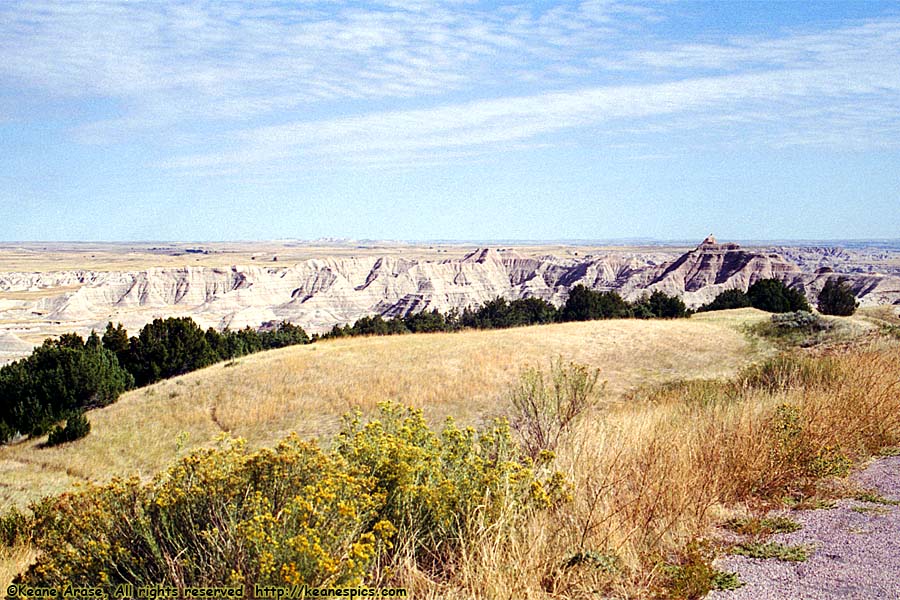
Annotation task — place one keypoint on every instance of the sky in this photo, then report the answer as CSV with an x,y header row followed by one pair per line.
x,y
454,120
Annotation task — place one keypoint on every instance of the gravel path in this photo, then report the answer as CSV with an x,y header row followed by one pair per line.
x,y
857,554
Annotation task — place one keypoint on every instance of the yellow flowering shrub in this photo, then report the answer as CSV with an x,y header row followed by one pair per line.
x,y
293,514
440,486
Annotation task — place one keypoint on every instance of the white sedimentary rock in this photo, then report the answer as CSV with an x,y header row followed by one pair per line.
x,y
320,293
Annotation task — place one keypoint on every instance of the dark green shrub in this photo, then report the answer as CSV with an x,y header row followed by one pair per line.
x,y
772,295
115,339
372,326
6,432
426,322
499,313
282,335
641,310
493,314
338,332
169,347
728,299
77,426
836,298
229,344
60,377
659,305
532,311
584,304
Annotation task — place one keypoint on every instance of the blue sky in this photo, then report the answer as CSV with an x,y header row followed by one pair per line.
x,y
420,119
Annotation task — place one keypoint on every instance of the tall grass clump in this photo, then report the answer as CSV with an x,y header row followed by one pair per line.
x,y
546,406
651,477
791,371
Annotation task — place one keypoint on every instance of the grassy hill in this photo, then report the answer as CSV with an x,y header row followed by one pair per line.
x,y
307,388
646,474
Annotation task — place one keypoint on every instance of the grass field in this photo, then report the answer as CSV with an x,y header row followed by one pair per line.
x,y
886,315
264,396
675,445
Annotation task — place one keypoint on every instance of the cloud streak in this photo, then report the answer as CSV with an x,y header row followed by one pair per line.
x,y
840,99
235,56
223,86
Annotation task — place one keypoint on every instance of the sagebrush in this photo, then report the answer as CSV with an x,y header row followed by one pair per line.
x,y
391,489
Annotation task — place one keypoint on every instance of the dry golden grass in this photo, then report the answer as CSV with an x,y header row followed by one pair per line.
x,y
887,315
649,474
306,389
14,560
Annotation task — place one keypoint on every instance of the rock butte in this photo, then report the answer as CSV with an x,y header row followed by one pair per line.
x,y
320,293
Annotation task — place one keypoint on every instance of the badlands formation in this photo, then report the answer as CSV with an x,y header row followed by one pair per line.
x,y
320,292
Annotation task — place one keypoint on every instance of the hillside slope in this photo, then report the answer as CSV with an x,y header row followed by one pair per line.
x,y
307,388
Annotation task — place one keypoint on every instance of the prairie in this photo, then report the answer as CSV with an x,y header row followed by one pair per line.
x,y
306,389
698,421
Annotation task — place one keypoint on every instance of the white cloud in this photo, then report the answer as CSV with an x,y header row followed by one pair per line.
x,y
779,107
861,44
198,53
213,77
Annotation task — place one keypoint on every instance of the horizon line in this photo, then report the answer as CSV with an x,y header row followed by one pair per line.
x,y
326,241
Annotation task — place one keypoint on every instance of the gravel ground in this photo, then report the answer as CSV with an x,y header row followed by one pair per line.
x,y
857,555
